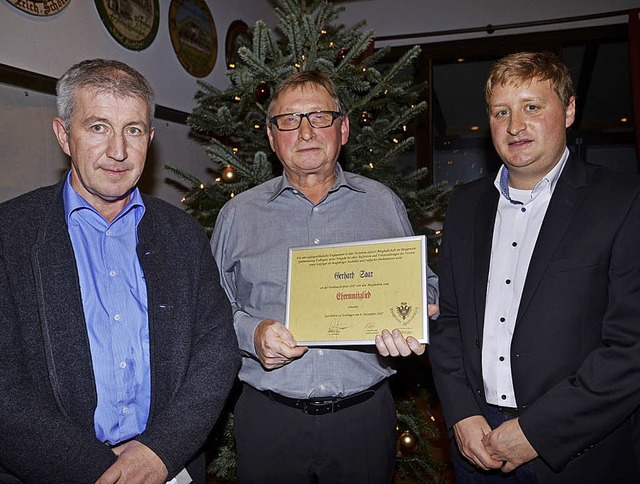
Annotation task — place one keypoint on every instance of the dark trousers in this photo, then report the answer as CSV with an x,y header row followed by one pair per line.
x,y
280,444
525,474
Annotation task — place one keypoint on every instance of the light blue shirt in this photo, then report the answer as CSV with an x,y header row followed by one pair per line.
x,y
114,298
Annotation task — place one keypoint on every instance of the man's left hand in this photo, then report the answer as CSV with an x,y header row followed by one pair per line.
x,y
394,344
507,443
136,464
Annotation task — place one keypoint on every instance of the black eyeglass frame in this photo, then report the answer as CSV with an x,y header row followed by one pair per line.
x,y
334,115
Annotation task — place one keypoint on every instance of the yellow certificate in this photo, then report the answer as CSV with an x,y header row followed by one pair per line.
x,y
345,294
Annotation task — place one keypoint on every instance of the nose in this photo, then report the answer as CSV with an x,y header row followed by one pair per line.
x,y
305,131
117,147
516,124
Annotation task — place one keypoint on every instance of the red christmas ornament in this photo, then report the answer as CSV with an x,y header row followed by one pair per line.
x,y
407,442
228,175
341,55
263,91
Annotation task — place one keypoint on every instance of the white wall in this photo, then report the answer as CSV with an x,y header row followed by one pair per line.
x,y
50,45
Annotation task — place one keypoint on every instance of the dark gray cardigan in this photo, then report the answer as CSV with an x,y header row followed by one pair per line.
x,y
48,393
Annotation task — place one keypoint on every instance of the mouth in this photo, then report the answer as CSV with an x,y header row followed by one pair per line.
x,y
518,143
114,171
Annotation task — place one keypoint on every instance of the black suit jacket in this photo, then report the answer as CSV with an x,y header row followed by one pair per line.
x,y
575,352
46,372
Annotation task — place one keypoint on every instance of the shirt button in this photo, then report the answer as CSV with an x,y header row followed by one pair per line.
x,y
502,320
125,410
504,397
117,317
316,241
315,209
295,191
508,281
514,244
320,353
523,209
123,364
322,387
112,273
108,232
501,358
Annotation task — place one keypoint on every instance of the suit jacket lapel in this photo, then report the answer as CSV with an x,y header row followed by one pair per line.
x,y
62,318
483,238
564,201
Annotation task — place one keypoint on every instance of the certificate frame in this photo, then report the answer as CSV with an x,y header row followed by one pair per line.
x,y
344,294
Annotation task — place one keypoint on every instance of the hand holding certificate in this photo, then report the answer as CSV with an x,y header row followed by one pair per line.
x,y
348,293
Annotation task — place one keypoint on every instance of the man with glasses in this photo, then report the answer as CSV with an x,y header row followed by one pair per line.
x,y
307,414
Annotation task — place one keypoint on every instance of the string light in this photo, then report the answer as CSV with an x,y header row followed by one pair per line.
x,y
371,165
235,151
218,179
232,66
183,200
331,44
297,65
323,32
236,98
201,186
395,140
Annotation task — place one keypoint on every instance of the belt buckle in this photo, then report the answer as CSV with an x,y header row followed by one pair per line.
x,y
318,408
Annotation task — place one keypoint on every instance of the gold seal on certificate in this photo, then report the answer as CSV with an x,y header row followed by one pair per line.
x,y
345,294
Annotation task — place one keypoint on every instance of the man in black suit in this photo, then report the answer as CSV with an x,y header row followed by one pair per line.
x,y
536,353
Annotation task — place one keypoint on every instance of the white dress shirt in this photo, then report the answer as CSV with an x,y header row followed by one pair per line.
x,y
518,220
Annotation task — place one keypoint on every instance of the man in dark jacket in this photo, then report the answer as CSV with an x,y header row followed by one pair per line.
x,y
117,345
536,353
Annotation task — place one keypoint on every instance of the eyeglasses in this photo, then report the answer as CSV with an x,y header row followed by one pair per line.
x,y
292,121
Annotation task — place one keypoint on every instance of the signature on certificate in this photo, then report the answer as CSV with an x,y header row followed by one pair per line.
x,y
335,327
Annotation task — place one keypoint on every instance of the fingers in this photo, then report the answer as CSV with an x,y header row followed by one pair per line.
x,y
469,433
432,310
111,475
394,344
275,345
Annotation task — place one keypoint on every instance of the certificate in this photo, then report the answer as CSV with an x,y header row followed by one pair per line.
x,y
345,294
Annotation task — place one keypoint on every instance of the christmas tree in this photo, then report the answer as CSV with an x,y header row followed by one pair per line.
x,y
381,100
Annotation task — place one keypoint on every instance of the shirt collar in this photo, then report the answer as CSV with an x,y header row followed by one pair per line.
x,y
548,182
73,202
340,181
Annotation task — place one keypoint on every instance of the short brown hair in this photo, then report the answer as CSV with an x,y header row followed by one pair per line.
x,y
303,79
521,67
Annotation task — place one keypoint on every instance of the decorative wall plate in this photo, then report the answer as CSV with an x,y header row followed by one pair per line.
x,y
41,8
193,36
238,32
133,23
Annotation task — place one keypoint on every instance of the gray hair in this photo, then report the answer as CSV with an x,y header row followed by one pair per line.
x,y
102,76
301,80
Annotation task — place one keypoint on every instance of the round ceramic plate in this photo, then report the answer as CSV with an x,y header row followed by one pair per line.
x,y
133,23
41,8
193,35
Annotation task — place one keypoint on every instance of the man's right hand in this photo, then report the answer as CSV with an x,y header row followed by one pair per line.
x,y
275,345
469,433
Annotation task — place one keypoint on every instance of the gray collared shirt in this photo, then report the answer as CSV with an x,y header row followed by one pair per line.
x,y
251,242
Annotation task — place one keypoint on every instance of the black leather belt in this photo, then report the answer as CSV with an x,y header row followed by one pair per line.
x,y
512,412
323,406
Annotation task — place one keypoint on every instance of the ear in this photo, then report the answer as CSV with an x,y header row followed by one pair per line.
x,y
61,135
570,112
344,130
270,135
152,132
